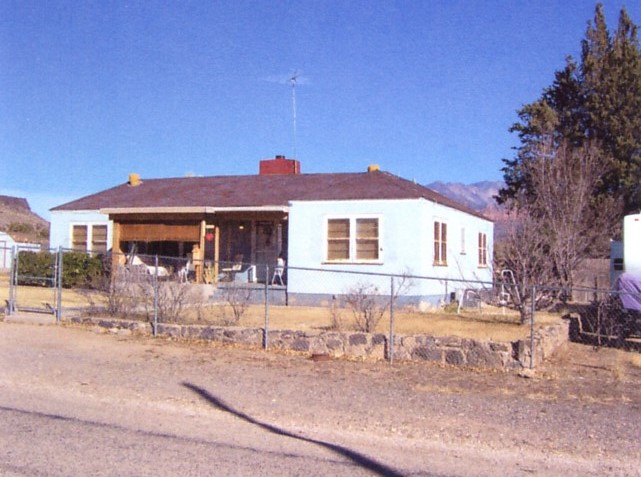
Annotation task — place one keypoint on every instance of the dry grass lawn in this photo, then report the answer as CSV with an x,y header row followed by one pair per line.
x,y
37,297
490,324
486,325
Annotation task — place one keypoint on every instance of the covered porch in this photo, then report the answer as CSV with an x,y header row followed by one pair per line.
x,y
213,245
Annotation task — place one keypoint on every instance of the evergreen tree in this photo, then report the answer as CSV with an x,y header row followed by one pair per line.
x,y
598,100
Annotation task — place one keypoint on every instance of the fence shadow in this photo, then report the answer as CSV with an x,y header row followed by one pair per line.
x,y
356,457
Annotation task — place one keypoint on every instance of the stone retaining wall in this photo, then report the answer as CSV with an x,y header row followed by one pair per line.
x,y
448,350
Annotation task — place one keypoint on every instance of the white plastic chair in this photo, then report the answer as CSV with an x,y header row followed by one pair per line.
x,y
278,271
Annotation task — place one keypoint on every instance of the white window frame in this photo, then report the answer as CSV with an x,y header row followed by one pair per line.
x,y
353,218
72,236
482,250
438,260
89,227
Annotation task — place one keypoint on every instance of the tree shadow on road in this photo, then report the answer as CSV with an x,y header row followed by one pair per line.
x,y
356,457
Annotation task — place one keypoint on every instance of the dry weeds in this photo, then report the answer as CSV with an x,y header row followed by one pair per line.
x,y
635,360
489,324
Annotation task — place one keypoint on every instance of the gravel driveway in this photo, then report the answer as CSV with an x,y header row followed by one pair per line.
x,y
580,414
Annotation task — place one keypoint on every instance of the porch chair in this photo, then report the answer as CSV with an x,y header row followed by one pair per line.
x,y
229,273
186,271
278,271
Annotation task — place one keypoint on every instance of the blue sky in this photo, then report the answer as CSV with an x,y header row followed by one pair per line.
x,y
93,90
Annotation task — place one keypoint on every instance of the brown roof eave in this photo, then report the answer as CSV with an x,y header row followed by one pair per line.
x,y
190,210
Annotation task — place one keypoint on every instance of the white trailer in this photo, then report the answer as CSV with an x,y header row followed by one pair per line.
x,y
625,255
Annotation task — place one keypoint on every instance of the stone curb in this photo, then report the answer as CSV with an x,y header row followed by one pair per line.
x,y
454,351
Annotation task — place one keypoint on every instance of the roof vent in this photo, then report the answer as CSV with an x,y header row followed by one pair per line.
x,y
373,168
134,179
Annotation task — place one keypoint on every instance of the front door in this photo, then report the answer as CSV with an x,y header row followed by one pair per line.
x,y
268,246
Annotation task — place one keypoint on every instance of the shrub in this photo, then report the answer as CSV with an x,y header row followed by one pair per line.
x,y
78,269
238,298
81,270
367,306
128,293
36,268
172,298
337,317
20,227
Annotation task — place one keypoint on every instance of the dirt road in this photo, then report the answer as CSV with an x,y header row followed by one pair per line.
x,y
79,401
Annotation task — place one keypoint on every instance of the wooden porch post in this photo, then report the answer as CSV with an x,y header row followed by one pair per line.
x,y
216,252
200,264
116,254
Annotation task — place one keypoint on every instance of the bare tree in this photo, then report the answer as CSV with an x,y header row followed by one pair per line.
x,y
525,252
559,221
574,222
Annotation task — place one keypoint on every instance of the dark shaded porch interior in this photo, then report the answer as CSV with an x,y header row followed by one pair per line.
x,y
211,242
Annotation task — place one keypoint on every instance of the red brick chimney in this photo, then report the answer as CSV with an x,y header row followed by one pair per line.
x,y
279,166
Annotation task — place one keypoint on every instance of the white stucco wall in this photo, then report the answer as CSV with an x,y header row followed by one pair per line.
x,y
406,234
62,223
7,245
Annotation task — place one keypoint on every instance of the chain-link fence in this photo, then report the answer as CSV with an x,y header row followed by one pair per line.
x,y
32,282
612,318
160,289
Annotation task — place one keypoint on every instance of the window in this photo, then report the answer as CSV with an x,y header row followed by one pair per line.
x,y
353,240
482,250
463,241
89,238
99,238
366,239
440,243
337,239
79,239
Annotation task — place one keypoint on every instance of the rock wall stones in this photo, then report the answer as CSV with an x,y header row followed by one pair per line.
x,y
453,351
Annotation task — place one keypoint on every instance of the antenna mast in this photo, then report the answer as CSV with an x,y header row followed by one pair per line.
x,y
292,80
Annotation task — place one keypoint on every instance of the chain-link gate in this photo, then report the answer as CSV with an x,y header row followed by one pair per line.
x,y
22,276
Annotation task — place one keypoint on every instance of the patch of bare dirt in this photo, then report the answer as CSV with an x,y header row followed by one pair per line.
x,y
581,404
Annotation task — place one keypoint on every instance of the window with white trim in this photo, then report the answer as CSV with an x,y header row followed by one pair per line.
x,y
79,238
440,243
89,238
99,239
353,239
482,250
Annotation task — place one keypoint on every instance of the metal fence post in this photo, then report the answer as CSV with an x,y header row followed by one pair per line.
x,y
13,280
155,330
266,330
532,311
59,284
391,322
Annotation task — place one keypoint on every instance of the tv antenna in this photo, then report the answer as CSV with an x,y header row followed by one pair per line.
x,y
293,80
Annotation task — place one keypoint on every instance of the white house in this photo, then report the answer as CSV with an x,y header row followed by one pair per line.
x,y
372,222
413,236
7,247
80,230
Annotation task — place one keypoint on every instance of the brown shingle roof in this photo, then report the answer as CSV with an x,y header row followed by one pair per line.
x,y
258,191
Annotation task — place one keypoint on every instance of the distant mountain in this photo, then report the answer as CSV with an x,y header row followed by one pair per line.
x,y
17,219
478,196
